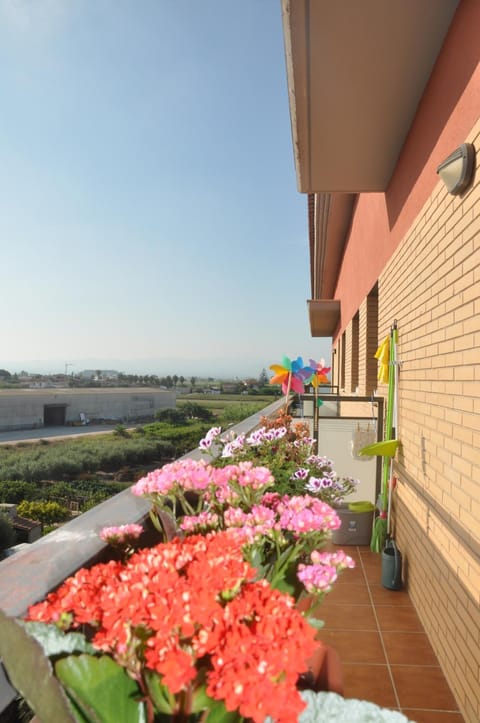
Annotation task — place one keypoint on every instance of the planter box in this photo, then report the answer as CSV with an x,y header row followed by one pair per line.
x,y
356,526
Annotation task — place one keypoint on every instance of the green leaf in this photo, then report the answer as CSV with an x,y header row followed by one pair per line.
x,y
200,700
56,642
217,713
162,699
101,689
256,558
315,622
31,673
284,586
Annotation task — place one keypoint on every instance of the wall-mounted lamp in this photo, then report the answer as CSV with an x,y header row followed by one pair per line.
x,y
456,171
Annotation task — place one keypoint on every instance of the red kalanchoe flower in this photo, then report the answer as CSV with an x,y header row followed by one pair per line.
x,y
189,610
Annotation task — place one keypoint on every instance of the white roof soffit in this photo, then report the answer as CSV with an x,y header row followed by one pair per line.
x,y
356,72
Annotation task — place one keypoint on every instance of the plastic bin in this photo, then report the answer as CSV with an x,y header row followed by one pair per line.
x,y
357,523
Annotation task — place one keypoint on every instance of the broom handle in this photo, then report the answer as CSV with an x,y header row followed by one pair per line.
x,y
394,371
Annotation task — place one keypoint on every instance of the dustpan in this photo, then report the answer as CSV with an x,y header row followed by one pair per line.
x,y
386,448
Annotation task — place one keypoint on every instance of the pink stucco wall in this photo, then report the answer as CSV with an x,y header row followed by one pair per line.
x,y
447,113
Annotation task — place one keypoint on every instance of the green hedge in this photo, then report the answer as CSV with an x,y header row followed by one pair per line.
x,y
64,460
182,439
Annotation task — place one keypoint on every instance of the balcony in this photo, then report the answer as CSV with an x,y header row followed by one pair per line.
x,y
385,653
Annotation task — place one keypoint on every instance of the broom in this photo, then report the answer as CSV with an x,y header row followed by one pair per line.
x,y
379,533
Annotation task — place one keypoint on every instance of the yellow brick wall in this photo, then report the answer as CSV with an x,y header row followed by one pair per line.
x,y
368,344
432,287
349,361
363,348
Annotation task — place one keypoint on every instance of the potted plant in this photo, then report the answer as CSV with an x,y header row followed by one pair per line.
x,y
182,631
281,535
189,628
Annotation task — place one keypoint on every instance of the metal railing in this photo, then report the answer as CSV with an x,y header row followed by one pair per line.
x,y
337,406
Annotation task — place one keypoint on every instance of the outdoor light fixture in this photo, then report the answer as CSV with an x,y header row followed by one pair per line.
x,y
456,171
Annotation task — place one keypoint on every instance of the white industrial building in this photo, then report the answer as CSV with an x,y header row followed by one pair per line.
x,y
34,408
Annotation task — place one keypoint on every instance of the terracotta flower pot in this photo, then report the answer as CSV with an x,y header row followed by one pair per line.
x,y
325,671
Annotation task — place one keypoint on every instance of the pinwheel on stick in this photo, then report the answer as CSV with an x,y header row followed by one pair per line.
x,y
292,375
319,376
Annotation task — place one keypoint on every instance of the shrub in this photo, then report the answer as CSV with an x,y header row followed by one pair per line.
x,y
13,492
238,412
197,411
171,416
45,512
181,439
7,534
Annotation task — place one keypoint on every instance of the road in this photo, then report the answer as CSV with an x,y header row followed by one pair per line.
x,y
34,435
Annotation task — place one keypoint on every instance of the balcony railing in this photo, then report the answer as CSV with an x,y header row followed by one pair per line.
x,y
28,575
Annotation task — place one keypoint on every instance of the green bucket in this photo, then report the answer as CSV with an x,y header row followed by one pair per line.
x,y
362,506
391,566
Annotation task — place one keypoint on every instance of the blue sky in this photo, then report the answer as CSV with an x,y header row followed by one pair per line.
x,y
150,219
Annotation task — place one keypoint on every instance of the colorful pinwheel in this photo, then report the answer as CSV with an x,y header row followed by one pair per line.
x,y
292,375
320,372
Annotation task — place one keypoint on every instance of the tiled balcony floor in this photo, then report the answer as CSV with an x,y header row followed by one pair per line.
x,y
385,653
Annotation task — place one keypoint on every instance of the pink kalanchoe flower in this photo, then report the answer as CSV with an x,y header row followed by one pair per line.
x,y
302,514
337,559
188,474
121,534
245,474
199,523
271,499
317,578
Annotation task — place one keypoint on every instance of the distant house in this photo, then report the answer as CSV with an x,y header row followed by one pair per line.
x,y
230,387
27,531
97,374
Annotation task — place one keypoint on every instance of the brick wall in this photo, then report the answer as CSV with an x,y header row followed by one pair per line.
x,y
432,287
349,361
367,344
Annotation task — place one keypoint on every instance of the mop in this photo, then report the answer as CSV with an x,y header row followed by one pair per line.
x,y
387,450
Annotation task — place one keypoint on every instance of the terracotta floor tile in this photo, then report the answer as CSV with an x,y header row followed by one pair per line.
x,y
399,619
383,596
422,687
348,617
367,554
355,647
363,622
432,716
355,593
408,649
372,572
369,682
350,576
